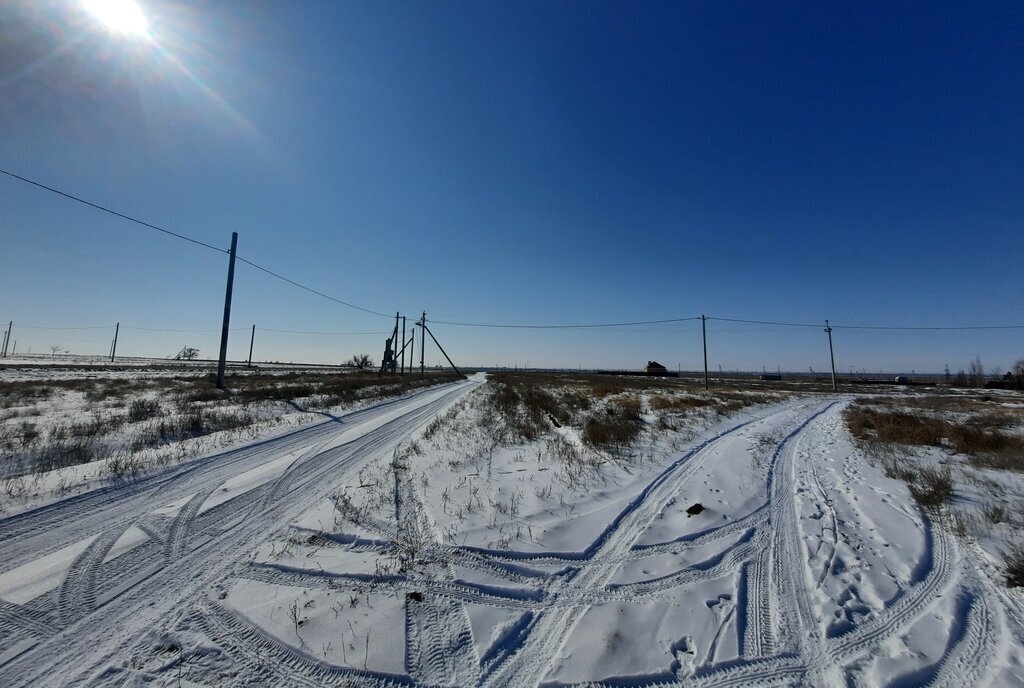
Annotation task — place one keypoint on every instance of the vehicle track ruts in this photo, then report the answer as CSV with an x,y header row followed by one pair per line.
x,y
77,595
439,638
972,658
551,627
34,533
276,663
178,532
523,599
171,592
14,617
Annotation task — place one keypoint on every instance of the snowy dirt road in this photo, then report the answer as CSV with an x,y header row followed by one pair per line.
x,y
82,579
807,567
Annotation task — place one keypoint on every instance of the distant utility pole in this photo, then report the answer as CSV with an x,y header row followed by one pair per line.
x,y
704,333
828,330
227,311
7,337
404,344
252,340
113,346
423,338
412,351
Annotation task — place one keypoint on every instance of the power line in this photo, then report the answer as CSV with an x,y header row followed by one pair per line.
x,y
311,290
876,327
43,327
156,329
900,327
186,238
765,322
112,212
563,326
264,329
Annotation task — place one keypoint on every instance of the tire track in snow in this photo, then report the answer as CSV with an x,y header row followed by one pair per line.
x,y
14,617
550,628
439,639
77,594
974,655
83,651
276,663
31,534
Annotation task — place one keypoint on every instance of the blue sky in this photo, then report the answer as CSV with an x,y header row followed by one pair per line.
x,y
527,162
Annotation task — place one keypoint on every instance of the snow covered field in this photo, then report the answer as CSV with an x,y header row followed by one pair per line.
x,y
509,534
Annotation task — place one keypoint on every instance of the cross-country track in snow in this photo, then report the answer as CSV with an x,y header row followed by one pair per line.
x,y
80,631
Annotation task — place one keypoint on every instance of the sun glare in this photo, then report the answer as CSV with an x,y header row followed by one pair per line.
x,y
119,16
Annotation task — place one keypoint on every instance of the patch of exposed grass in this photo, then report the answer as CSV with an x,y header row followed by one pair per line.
x,y
615,427
986,447
932,487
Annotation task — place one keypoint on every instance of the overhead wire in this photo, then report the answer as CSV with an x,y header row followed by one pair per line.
x,y
129,218
455,323
265,329
112,212
311,290
561,326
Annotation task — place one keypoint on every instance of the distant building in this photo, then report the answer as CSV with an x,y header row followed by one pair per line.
x,y
655,368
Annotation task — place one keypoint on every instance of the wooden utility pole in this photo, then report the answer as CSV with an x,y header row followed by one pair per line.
x,y
227,312
828,330
252,340
404,344
412,352
7,337
423,338
113,347
704,333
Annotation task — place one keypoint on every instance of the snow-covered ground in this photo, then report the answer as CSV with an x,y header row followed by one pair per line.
x,y
404,544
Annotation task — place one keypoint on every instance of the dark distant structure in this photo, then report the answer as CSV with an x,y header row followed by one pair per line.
x,y
656,369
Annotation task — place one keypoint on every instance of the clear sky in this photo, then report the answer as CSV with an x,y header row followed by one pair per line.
x,y
522,162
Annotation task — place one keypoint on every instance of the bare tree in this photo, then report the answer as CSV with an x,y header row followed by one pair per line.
x,y
190,353
360,361
1018,368
55,349
976,373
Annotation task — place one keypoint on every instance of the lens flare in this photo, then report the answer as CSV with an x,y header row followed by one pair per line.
x,y
119,16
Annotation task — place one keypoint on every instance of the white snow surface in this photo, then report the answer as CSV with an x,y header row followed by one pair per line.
x,y
342,553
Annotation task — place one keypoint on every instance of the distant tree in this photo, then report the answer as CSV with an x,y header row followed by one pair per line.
x,y
190,353
360,361
976,373
1018,368
55,349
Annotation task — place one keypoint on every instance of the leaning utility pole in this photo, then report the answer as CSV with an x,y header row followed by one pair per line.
x,y
7,337
405,343
252,340
704,333
227,312
828,330
457,371
113,347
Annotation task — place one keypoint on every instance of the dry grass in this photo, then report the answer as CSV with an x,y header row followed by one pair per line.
x,y
164,411
615,427
932,488
986,447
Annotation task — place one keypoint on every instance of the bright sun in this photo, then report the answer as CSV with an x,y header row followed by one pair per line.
x,y
121,16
